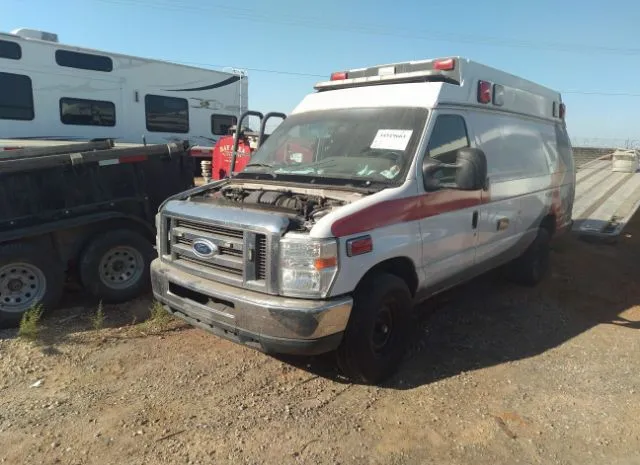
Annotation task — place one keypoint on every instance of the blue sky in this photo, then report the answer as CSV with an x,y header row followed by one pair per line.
x,y
568,45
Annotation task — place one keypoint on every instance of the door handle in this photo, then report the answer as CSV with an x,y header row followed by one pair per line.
x,y
474,220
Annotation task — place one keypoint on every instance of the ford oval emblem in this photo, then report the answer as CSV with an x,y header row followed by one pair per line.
x,y
204,248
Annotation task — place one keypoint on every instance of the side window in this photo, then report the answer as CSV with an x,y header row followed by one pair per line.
x,y
449,134
10,50
220,124
166,114
83,112
16,97
84,61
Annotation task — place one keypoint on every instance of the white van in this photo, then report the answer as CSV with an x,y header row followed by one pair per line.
x,y
387,185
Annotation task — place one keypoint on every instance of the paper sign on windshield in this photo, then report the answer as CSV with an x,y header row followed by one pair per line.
x,y
391,139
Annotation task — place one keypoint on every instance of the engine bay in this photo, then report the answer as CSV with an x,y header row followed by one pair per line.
x,y
302,209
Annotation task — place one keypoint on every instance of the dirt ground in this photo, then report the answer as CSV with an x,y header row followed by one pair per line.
x,y
496,374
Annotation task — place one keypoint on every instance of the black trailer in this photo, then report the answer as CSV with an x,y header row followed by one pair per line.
x,y
84,212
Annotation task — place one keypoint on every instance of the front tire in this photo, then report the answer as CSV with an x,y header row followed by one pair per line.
x,y
29,276
114,267
376,336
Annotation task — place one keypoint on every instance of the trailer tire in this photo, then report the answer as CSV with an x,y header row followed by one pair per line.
x,y
531,267
376,336
114,266
30,275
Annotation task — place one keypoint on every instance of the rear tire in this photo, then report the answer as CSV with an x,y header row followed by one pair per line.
x,y
114,267
29,276
532,266
376,336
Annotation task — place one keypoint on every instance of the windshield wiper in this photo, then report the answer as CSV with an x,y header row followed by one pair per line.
x,y
259,165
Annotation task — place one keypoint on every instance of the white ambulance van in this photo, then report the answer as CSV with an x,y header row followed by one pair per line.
x,y
384,187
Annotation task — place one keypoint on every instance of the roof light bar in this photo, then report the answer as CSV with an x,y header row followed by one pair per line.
x,y
445,70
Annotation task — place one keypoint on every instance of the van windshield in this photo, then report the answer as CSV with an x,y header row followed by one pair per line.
x,y
354,144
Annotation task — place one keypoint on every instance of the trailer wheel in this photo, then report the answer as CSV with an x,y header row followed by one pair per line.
x,y
114,266
376,336
29,276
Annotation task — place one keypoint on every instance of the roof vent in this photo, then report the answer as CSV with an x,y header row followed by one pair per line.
x,y
34,34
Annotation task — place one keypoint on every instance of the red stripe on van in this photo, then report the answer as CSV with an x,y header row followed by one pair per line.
x,y
407,209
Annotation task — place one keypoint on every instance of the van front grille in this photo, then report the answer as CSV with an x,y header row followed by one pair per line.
x,y
261,257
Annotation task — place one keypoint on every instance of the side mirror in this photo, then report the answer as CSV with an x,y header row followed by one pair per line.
x,y
472,169
468,173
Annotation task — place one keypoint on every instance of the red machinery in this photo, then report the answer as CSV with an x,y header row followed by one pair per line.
x,y
223,153
232,152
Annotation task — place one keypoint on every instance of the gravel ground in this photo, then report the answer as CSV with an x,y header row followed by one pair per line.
x,y
495,374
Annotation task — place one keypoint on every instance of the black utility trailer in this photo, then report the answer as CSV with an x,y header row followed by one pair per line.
x,y
84,212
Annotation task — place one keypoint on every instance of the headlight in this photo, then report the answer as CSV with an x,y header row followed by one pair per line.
x,y
307,266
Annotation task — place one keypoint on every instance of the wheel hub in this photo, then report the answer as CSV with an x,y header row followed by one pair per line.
x,y
15,285
121,267
118,266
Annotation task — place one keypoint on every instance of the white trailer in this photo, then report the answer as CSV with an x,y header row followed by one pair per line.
x,y
53,91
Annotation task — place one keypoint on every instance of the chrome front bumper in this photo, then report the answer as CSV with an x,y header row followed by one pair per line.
x,y
265,322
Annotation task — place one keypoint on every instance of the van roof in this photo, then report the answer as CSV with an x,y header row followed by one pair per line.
x,y
453,81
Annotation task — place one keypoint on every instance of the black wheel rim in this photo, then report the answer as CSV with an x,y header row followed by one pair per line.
x,y
383,328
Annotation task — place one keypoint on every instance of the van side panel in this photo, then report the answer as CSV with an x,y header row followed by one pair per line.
x,y
519,180
399,239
